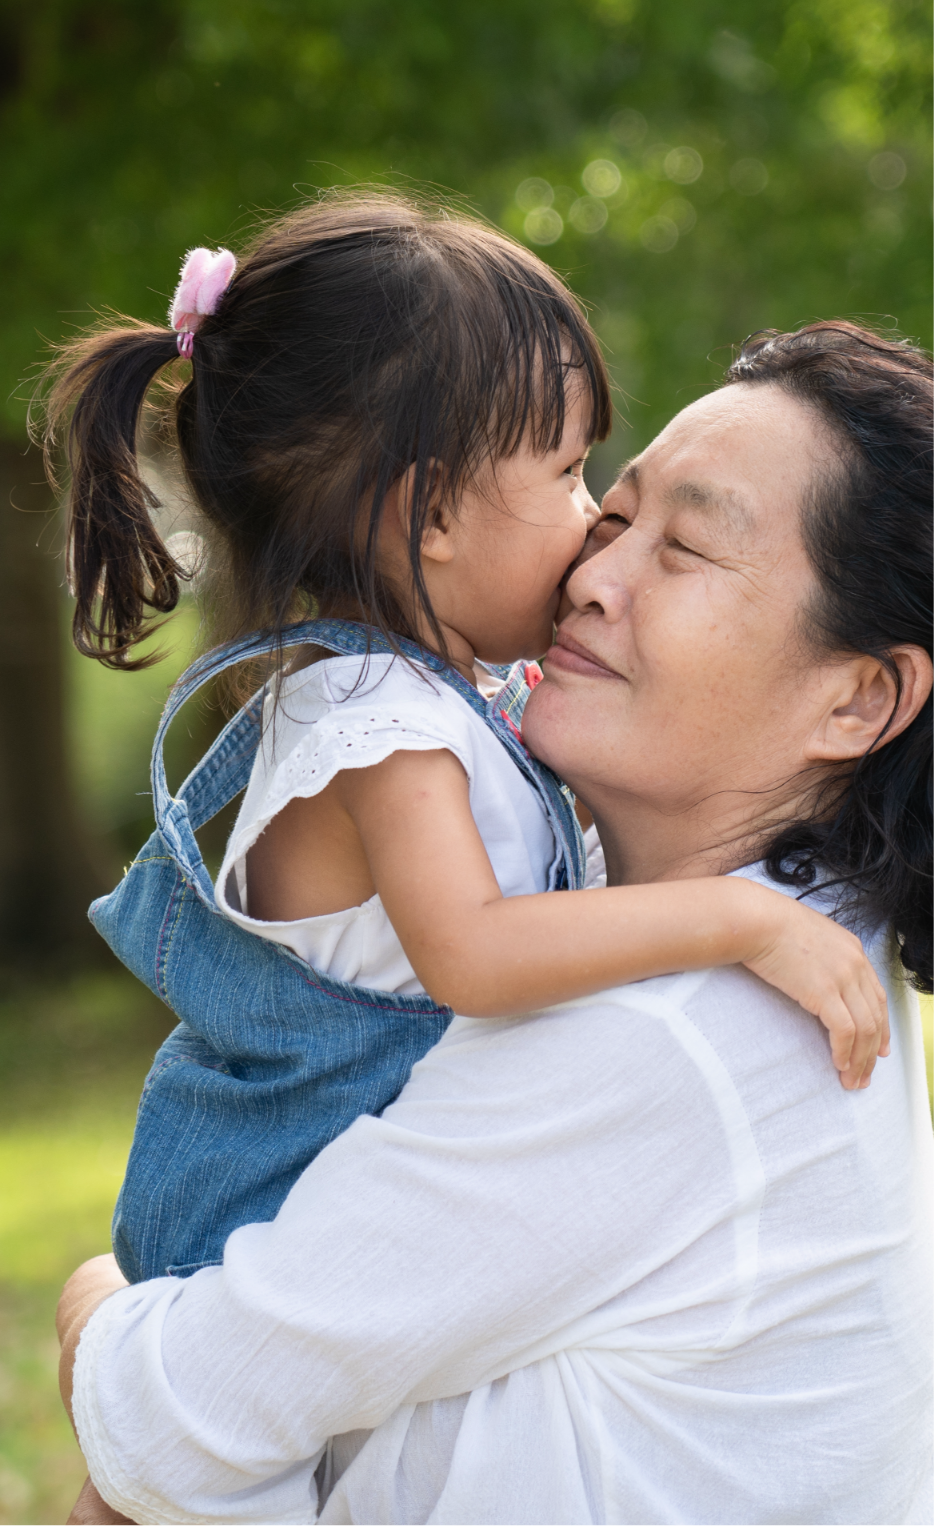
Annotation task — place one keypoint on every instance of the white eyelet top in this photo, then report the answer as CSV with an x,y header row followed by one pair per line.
x,y
346,712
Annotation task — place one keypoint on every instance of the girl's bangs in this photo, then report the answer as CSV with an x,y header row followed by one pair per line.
x,y
546,345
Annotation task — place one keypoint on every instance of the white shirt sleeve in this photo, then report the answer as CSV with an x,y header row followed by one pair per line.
x,y
527,1175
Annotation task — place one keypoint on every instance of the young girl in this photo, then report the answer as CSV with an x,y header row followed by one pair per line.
x,y
385,423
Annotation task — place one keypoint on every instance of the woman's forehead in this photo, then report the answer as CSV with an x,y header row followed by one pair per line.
x,y
715,499
730,452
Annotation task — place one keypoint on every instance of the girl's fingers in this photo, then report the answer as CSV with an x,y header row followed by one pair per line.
x,y
878,1000
867,1017
837,1018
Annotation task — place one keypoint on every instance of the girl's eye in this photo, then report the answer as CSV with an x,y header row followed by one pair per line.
x,y
576,469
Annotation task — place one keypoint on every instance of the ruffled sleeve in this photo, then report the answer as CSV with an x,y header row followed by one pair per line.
x,y
319,729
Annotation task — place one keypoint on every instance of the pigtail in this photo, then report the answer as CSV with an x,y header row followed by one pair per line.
x,y
119,569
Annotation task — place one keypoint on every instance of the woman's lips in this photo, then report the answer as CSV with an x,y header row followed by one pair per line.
x,y
568,656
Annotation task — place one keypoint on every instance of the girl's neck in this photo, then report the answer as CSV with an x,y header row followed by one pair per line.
x,y
457,649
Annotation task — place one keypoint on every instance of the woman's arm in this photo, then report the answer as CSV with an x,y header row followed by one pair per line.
x,y
488,955
529,1173
84,1292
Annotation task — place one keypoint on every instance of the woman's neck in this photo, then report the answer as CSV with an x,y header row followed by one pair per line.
x,y
643,843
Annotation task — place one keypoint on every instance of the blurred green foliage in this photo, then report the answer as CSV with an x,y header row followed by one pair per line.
x,y
111,721
697,171
72,1059
767,161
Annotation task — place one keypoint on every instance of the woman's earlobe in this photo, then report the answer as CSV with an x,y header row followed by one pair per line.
x,y
874,705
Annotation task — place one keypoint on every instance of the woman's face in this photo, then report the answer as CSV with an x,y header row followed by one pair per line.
x,y
678,671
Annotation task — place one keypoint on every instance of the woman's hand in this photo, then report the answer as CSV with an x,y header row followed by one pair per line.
x,y
90,1509
824,969
84,1292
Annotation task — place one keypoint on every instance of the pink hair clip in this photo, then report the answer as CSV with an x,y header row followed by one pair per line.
x,y
205,276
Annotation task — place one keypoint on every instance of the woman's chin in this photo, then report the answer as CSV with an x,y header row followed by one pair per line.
x,y
548,728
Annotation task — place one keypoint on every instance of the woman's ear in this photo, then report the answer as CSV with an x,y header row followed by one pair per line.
x,y
863,695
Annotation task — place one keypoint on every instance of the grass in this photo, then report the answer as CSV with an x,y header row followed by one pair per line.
x,y
72,1060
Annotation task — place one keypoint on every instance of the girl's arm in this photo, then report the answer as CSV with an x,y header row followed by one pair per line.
x,y
488,955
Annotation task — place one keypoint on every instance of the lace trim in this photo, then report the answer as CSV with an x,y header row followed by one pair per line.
x,y
335,743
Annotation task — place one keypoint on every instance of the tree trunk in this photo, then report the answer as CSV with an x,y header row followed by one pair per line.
x,y
46,873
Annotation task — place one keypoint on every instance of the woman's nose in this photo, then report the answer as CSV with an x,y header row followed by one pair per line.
x,y
599,580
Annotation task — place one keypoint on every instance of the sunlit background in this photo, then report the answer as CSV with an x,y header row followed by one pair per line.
x,y
696,170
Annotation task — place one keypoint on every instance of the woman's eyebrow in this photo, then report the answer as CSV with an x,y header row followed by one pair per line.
x,y
720,501
628,473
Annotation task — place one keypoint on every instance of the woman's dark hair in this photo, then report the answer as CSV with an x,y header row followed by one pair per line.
x,y
867,531
360,335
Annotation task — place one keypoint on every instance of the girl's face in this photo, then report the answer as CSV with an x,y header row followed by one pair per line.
x,y
493,570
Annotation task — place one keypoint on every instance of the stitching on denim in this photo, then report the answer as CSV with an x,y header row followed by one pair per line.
x,y
181,1059
514,701
178,914
377,1006
160,983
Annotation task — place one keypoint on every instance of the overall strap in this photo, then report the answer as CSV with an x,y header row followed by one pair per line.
x,y
225,769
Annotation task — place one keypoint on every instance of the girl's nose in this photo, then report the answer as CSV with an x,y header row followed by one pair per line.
x,y
591,510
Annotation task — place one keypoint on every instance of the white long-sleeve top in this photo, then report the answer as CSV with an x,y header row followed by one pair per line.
x,y
636,1259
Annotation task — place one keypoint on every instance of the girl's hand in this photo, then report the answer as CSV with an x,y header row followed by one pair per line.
x,y
823,968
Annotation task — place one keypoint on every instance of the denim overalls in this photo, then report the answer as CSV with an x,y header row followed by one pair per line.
x,y
271,1059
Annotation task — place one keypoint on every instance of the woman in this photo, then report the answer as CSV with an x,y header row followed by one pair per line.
x,y
645,1261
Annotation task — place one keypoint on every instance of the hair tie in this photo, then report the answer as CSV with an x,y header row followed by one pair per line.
x,y
205,276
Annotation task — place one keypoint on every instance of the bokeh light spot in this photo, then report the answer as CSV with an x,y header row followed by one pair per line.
x,y
749,177
659,234
628,127
534,193
684,165
653,160
681,212
601,177
588,214
544,226
887,171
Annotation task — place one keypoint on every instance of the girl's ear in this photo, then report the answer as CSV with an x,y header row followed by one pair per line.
x,y
863,695
437,519
437,539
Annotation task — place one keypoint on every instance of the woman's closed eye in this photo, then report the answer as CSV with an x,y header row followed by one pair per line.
x,y
680,547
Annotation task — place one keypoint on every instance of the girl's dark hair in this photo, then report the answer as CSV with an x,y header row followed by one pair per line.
x,y
360,335
867,530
